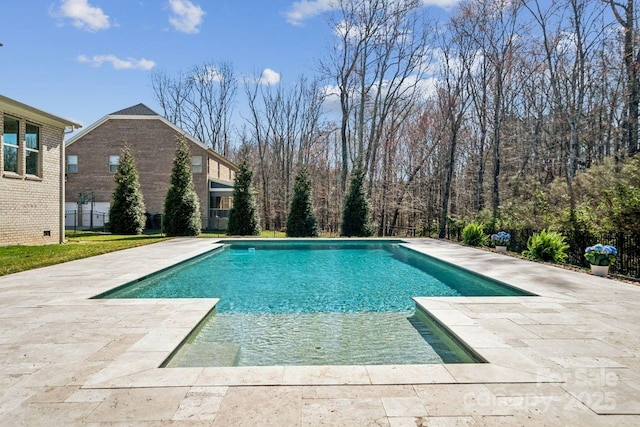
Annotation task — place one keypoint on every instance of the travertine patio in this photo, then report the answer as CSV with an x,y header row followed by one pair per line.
x,y
570,356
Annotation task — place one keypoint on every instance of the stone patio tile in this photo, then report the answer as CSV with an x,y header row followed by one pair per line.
x,y
430,303
344,412
159,377
490,373
161,339
603,391
477,336
139,404
127,364
57,375
506,328
409,374
404,406
53,353
116,346
51,394
433,422
494,307
48,414
315,375
586,362
201,404
517,318
89,395
458,400
557,318
543,306
555,332
510,357
574,347
452,317
244,375
253,406
357,391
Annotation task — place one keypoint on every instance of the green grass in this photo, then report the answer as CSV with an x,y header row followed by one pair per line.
x,y
263,234
14,259
79,245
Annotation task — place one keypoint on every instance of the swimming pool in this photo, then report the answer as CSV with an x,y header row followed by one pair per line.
x,y
315,302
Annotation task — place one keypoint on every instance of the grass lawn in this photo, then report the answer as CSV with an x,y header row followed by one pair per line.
x,y
222,234
86,244
79,245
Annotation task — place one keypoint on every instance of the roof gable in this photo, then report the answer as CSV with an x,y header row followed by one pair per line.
x,y
136,110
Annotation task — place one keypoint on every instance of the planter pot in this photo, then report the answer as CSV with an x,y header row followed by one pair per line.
x,y
600,270
501,249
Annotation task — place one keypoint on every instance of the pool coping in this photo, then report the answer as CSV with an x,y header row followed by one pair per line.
x,y
509,366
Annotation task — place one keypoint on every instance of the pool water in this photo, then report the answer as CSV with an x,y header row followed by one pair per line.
x,y
326,302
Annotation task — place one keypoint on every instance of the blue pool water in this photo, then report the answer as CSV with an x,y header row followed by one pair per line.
x,y
324,302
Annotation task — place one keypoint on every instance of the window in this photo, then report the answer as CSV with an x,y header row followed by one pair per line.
x,y
32,149
196,164
114,161
10,144
72,164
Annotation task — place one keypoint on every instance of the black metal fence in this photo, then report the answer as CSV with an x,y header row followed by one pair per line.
x,y
628,246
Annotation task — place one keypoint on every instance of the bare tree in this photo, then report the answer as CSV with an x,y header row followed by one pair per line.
x,y
377,65
625,14
201,101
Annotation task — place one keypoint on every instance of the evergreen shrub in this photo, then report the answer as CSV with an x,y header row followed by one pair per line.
x,y
548,246
473,234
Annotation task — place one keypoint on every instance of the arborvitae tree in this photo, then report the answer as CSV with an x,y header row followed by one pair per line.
x,y
126,215
243,216
302,218
356,219
181,206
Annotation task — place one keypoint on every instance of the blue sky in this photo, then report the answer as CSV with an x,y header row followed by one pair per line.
x,y
84,59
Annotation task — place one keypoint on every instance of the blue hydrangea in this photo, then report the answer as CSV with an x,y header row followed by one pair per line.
x,y
501,238
601,254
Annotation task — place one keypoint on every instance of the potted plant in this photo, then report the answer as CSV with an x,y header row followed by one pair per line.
x,y
501,239
600,257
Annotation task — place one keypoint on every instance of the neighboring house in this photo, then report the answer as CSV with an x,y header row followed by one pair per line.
x,y
92,158
31,174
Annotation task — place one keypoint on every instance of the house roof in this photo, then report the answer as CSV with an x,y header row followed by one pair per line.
x,y
136,110
29,111
142,112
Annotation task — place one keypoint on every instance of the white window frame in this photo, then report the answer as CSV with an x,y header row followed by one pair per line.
x,y
114,162
71,164
196,164
35,151
15,146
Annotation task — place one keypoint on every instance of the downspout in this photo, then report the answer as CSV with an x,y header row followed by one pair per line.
x,y
63,162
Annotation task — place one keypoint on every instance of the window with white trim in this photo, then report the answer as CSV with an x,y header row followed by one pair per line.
x,y
10,144
196,164
72,164
114,161
32,149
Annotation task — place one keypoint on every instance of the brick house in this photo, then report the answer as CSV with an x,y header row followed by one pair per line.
x,y
31,174
93,155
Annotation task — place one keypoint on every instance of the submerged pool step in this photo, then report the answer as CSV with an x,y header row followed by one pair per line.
x,y
207,354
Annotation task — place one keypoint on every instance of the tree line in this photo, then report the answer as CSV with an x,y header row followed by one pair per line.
x,y
494,114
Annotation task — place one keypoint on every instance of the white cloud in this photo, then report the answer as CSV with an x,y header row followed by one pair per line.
x,y
83,15
269,77
117,63
186,17
305,9
208,74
